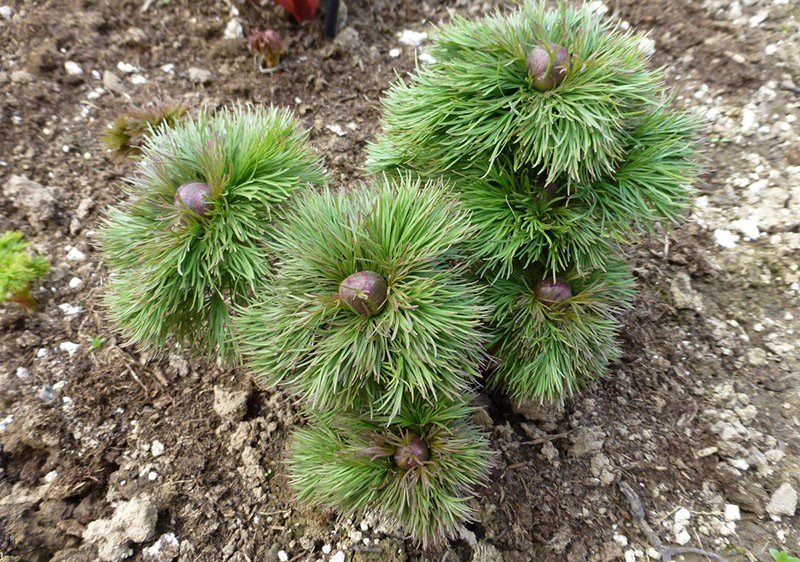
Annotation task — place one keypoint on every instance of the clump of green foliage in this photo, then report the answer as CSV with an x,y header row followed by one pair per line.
x,y
425,343
370,318
560,141
354,464
18,269
128,133
190,240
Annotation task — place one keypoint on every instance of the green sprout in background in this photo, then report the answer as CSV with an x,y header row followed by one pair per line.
x,y
18,270
128,133
190,240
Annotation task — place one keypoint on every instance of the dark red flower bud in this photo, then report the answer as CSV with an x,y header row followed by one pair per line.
x,y
412,453
194,196
268,44
364,292
552,292
548,66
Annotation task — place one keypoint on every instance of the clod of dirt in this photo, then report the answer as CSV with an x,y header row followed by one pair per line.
x,y
230,405
683,294
486,552
133,521
587,440
35,200
783,501
536,411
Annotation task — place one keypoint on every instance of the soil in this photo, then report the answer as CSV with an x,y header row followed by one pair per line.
x,y
700,416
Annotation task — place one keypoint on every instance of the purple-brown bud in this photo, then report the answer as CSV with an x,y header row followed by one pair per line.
x,y
268,44
412,453
364,292
194,196
552,292
548,66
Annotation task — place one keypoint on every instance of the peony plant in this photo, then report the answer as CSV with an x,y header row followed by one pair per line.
x,y
369,318
420,468
559,139
190,240
367,307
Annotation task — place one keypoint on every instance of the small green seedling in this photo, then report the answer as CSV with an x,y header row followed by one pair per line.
x,y
18,270
129,131
783,556
97,342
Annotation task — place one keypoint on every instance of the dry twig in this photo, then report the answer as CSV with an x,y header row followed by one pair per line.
x,y
667,551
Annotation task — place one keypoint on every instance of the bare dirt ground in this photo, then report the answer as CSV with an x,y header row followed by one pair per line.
x,y
98,443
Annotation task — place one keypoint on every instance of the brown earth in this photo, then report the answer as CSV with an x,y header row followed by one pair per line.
x,y
702,410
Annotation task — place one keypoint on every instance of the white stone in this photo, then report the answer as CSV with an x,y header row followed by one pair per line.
x,y
412,38
326,549
629,556
157,448
234,29
682,516
168,68
740,464
749,121
74,254
597,7
732,512
757,19
621,540
138,79
647,45
69,309
127,68
725,238
336,129
23,373
748,227
51,476
69,347
6,12
338,557
394,53
282,556
683,537
165,549
6,421
152,475
73,68
426,58
75,283
783,501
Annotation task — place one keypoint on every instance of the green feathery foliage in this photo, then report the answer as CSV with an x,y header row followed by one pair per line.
x,y
521,222
174,273
478,98
18,269
425,343
346,462
547,352
128,132
653,184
